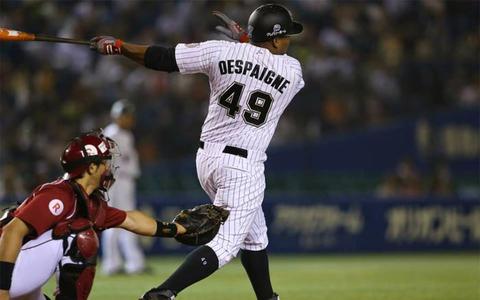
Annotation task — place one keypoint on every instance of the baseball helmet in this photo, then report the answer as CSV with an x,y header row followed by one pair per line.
x,y
270,21
91,147
121,107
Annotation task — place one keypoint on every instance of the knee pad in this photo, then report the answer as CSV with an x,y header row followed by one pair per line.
x,y
84,247
87,244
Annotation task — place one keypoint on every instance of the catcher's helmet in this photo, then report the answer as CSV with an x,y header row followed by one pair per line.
x,y
121,107
270,21
81,151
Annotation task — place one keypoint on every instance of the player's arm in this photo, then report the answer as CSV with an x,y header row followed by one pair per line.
x,y
10,243
143,224
134,52
151,56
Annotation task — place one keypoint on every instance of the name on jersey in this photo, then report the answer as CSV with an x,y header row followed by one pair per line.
x,y
247,68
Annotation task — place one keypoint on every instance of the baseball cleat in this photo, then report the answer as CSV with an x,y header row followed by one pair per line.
x,y
156,294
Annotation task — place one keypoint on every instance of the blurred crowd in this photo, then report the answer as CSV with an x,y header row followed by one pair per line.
x,y
406,181
365,63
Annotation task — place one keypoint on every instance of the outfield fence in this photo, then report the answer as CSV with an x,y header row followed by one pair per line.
x,y
349,224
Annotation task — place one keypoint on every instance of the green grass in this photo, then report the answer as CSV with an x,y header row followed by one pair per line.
x,y
334,277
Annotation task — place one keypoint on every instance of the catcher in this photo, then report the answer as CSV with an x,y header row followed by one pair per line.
x,y
56,228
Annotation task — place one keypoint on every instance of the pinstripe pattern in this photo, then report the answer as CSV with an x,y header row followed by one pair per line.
x,y
232,181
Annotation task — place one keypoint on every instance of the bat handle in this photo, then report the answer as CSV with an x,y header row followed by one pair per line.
x,y
45,38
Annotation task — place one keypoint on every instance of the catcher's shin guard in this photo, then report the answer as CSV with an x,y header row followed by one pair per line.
x,y
75,282
156,294
77,274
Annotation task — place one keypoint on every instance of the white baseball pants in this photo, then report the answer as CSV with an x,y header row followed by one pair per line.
x,y
35,264
237,184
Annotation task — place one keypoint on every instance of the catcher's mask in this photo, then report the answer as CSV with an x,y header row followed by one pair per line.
x,y
90,147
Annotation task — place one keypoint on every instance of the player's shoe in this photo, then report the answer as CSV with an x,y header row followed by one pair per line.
x,y
156,294
274,297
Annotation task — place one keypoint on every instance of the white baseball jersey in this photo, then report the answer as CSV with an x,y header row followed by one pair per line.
x,y
122,195
128,161
250,89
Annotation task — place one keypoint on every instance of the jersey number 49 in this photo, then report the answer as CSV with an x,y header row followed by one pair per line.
x,y
258,103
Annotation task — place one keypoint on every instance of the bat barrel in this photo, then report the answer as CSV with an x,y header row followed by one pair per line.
x,y
20,36
15,35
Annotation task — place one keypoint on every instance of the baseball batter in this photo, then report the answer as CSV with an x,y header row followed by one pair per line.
x,y
251,85
55,228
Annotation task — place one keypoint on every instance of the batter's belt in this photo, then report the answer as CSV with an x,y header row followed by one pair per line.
x,y
252,155
229,150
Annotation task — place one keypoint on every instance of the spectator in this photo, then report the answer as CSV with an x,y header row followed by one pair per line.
x,y
365,64
441,183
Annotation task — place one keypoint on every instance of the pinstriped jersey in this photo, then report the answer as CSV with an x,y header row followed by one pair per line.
x,y
249,89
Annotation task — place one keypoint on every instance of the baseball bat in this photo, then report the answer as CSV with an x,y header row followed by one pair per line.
x,y
20,36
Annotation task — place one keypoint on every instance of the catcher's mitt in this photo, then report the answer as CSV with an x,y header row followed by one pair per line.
x,y
201,222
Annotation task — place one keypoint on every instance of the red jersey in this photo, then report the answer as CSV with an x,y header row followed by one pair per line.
x,y
57,201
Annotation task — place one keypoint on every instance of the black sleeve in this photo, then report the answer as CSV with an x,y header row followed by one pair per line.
x,y
161,59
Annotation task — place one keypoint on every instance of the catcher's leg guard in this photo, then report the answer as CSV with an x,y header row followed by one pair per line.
x,y
75,282
156,294
77,269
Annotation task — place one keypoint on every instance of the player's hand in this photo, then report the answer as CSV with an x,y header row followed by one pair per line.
x,y
232,29
180,228
106,45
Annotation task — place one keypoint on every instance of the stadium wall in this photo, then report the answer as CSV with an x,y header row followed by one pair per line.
x,y
349,224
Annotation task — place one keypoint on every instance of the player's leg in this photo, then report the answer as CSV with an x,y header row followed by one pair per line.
x,y
255,259
111,258
205,260
134,258
239,188
35,295
35,264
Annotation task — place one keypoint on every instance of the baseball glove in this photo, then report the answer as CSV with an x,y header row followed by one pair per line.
x,y
201,222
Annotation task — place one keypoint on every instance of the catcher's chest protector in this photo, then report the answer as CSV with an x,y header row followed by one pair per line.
x,y
76,279
97,212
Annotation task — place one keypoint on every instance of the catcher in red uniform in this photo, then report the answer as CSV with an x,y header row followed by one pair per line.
x,y
55,229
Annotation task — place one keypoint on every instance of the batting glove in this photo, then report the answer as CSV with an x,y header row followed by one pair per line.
x,y
106,45
232,29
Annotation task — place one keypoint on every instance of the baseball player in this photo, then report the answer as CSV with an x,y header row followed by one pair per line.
x,y
251,85
55,228
117,242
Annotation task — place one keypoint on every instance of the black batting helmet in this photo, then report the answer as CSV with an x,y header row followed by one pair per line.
x,y
270,21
